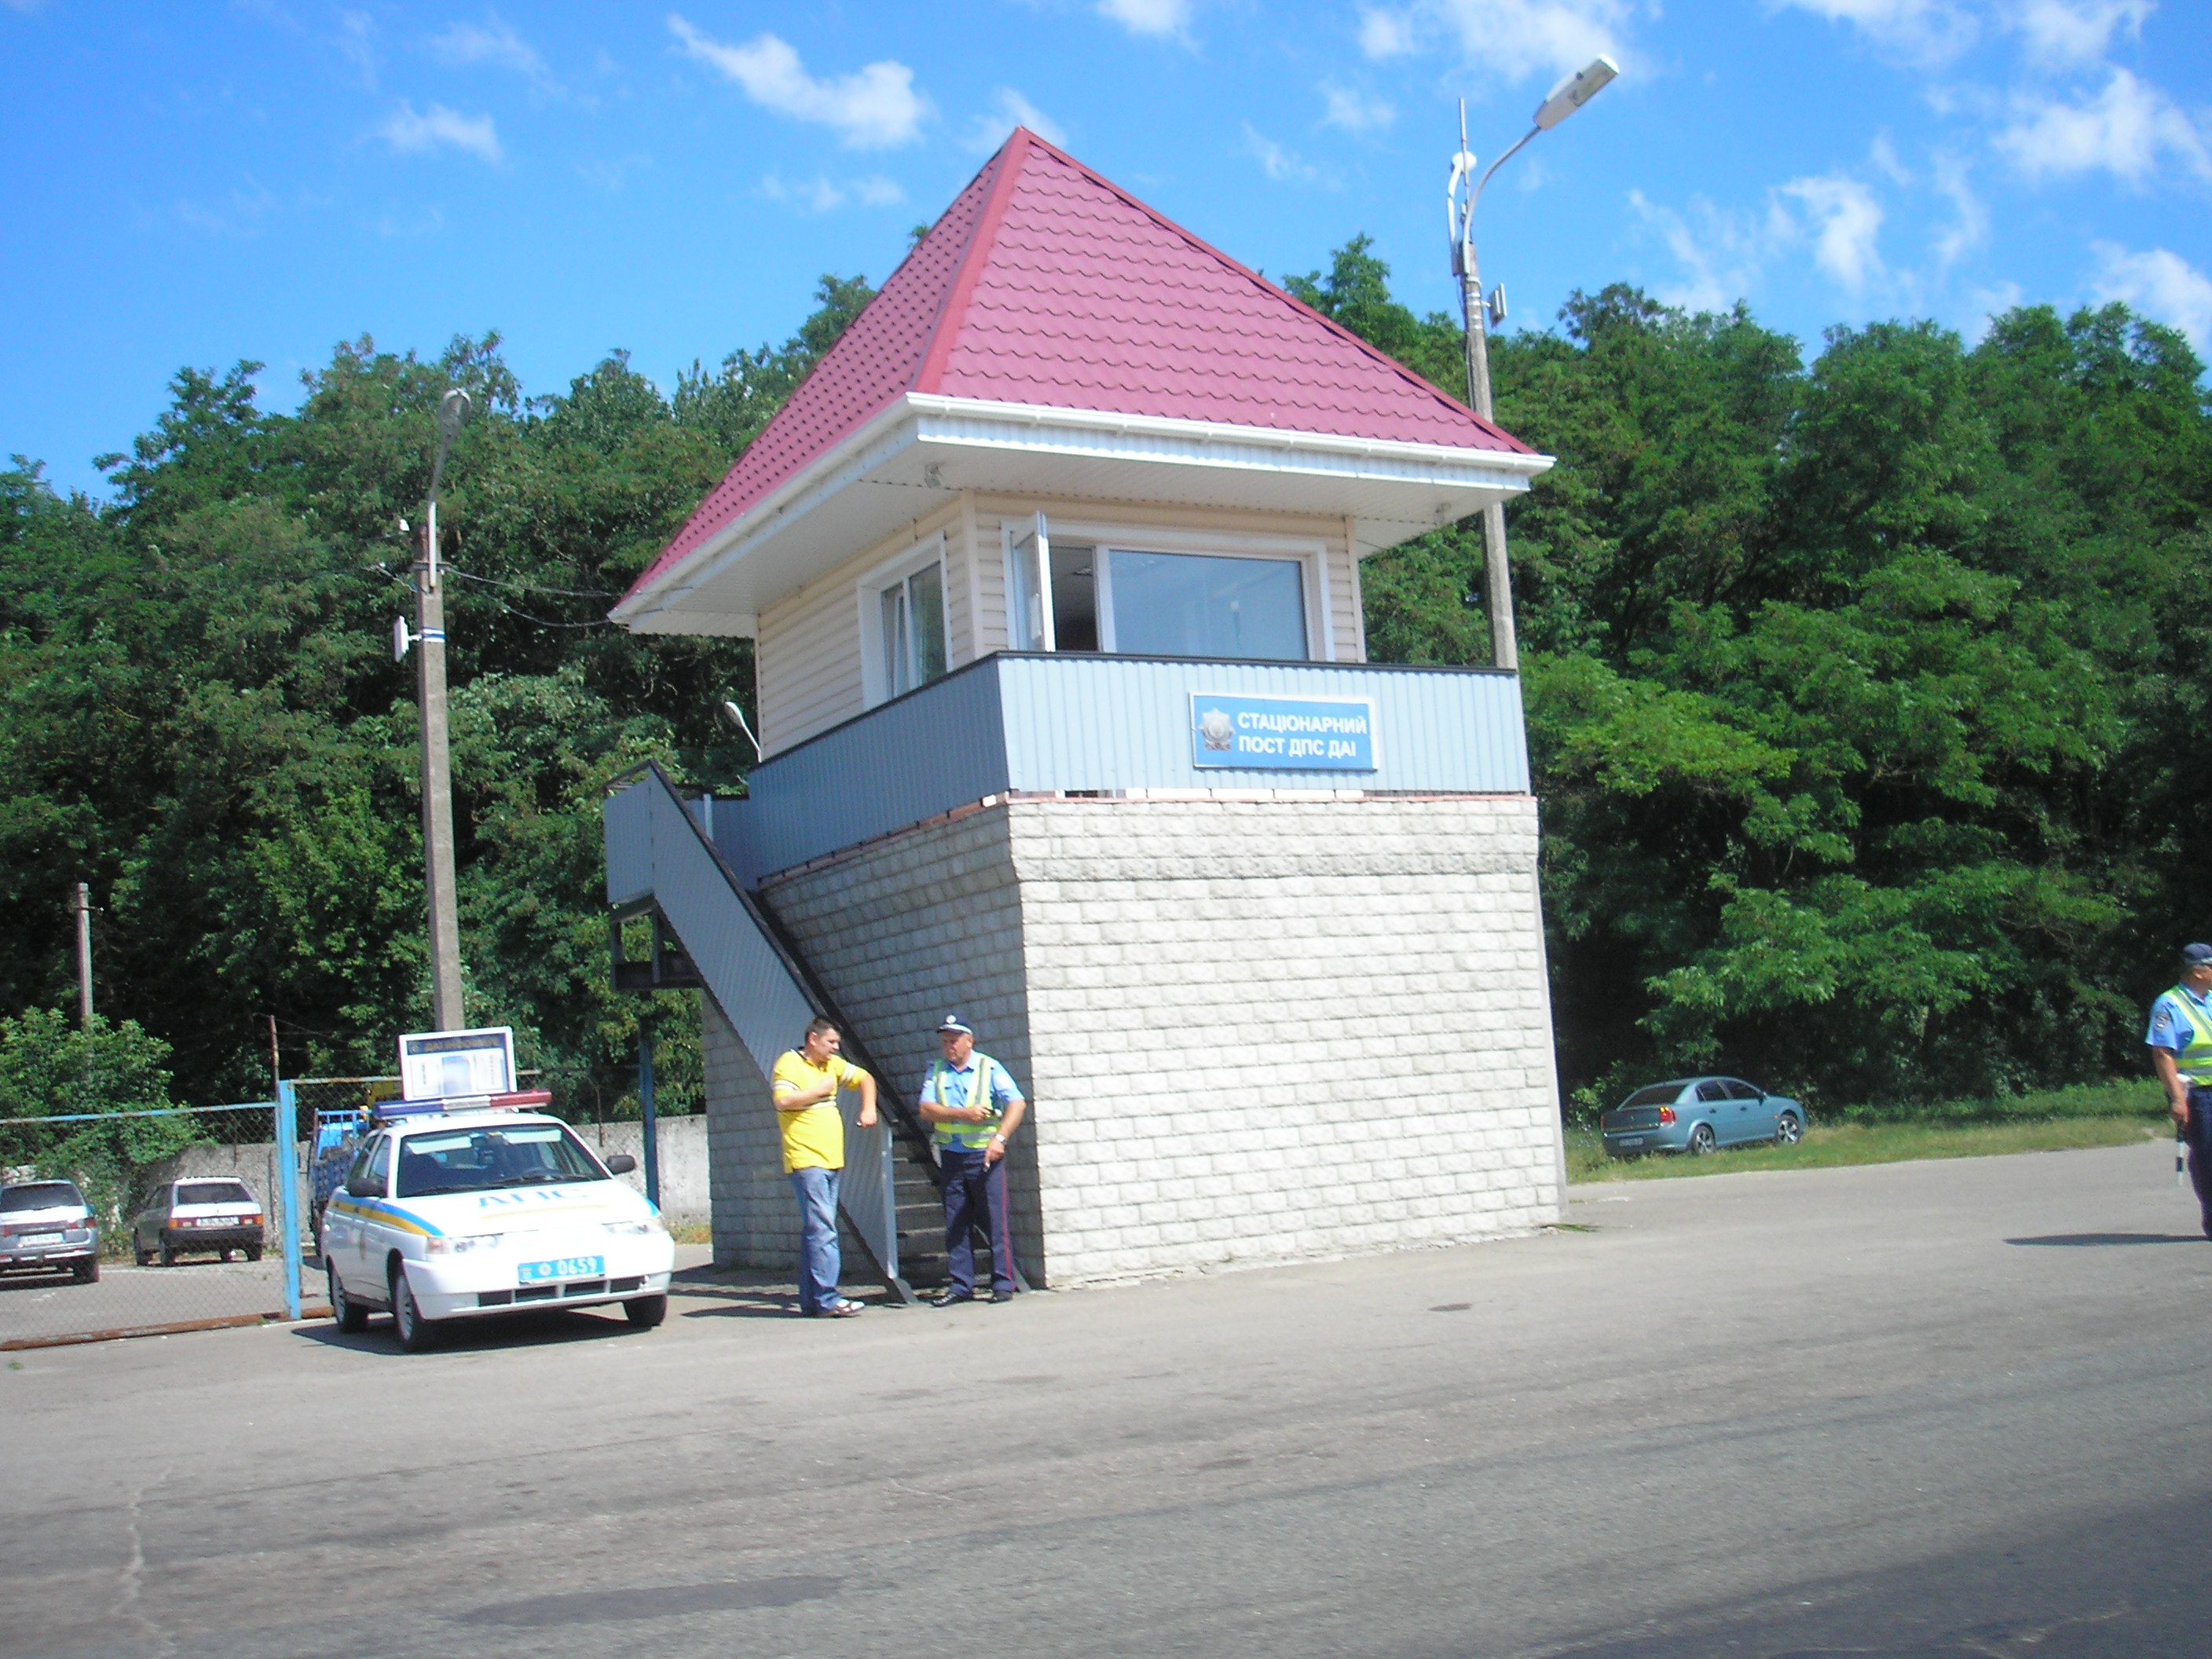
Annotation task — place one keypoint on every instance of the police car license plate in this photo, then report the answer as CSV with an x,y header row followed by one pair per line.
x,y
42,1238
567,1266
1631,1141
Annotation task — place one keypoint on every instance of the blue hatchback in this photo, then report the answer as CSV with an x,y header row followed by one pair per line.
x,y
1699,1115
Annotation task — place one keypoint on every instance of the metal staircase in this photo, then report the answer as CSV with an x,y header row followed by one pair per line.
x,y
662,859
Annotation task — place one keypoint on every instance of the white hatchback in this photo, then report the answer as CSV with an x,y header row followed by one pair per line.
x,y
449,1215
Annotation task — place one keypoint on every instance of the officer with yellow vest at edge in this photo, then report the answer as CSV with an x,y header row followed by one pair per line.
x,y
2180,1039
973,1108
804,1086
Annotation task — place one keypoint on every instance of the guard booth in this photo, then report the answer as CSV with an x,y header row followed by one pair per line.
x,y
1053,566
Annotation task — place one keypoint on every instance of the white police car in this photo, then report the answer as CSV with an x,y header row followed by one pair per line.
x,y
445,1213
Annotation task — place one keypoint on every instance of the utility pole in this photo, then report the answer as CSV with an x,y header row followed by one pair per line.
x,y
1564,100
446,1012
84,955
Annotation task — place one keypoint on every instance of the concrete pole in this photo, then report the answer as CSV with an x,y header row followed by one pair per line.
x,y
1497,574
446,1013
84,955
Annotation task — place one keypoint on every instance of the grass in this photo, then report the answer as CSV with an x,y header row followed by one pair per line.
x,y
2092,1114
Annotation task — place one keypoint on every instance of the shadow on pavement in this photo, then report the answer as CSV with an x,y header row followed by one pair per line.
x,y
2112,1238
551,1328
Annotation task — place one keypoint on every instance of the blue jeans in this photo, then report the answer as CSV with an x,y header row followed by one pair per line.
x,y
818,1261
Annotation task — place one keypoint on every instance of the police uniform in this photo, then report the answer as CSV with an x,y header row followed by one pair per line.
x,y
2181,1023
974,1184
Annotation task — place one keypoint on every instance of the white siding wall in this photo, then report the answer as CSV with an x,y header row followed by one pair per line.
x,y
809,653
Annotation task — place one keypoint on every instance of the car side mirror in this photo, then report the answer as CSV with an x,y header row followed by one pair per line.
x,y
360,1186
621,1163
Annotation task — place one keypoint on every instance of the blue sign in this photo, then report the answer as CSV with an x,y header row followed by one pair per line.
x,y
1281,734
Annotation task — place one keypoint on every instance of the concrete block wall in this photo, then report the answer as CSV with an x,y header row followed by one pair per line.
x,y
903,932
680,1148
1268,1029
755,1222
1251,1030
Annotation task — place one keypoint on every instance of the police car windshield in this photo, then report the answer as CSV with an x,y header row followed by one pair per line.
x,y
485,1159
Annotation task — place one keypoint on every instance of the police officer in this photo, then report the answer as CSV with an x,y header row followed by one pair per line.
x,y
2180,1039
973,1108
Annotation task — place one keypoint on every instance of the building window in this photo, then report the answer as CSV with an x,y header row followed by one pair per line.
x,y
1069,596
913,620
1188,604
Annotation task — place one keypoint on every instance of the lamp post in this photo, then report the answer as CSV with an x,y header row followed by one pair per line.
x,y
1564,100
446,1012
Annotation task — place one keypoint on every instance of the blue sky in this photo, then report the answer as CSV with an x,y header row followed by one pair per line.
x,y
260,178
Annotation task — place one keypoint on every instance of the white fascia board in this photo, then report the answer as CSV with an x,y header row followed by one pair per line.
x,y
1006,429
974,421
826,475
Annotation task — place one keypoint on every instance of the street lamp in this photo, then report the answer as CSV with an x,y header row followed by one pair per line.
x,y
446,1012
1563,100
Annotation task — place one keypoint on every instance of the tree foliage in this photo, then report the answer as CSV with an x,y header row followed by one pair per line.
x,y
1862,690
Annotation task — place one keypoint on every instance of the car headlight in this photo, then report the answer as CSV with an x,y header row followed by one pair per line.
x,y
460,1246
634,1229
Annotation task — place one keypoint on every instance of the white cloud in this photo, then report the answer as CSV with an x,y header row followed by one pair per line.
x,y
356,44
1166,19
612,176
2125,130
821,194
1009,110
414,135
1723,255
1971,228
1845,221
427,223
1923,31
2065,33
241,215
1284,166
874,107
1883,155
492,42
2165,285
1510,39
1356,112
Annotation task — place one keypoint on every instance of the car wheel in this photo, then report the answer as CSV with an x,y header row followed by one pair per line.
x,y
222,1256
168,1257
646,1310
88,1273
1787,1129
1701,1141
408,1324
145,1257
253,1253
351,1316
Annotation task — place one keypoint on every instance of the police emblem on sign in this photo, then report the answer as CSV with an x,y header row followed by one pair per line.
x,y
1214,730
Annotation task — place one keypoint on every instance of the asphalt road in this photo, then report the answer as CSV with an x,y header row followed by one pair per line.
x,y
37,1306
1953,1408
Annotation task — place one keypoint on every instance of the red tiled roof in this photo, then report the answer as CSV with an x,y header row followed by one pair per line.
x,y
1042,283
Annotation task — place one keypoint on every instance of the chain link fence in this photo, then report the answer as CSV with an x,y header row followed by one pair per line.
x,y
123,1223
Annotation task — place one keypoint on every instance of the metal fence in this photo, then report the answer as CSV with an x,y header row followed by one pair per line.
x,y
195,1222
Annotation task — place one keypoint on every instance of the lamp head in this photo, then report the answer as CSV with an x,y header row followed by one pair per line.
x,y
453,414
1572,93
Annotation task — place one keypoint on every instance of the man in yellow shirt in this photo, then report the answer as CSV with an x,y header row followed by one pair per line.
x,y
804,1086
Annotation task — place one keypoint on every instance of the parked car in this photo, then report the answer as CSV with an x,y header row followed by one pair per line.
x,y
451,1215
1699,1115
192,1218
45,1227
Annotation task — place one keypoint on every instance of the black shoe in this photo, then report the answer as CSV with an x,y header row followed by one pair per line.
x,y
1002,1296
951,1299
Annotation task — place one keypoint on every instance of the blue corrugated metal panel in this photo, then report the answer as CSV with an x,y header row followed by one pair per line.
x,y
626,820
926,753
1124,723
1101,723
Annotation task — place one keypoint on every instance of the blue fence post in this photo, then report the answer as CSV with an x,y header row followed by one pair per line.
x,y
287,1196
651,1136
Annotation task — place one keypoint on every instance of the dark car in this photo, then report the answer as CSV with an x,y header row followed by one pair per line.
x,y
45,1227
1699,1115
192,1218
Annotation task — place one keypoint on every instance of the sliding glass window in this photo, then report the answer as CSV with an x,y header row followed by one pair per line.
x,y
914,629
1187,604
